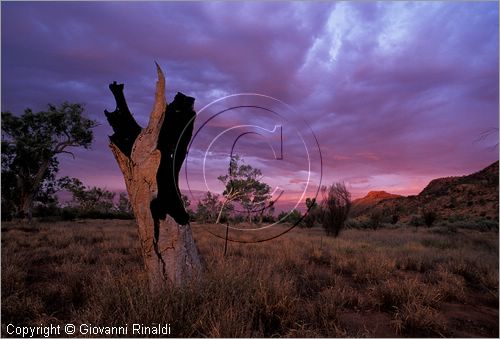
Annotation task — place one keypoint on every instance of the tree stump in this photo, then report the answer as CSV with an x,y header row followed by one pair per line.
x,y
168,248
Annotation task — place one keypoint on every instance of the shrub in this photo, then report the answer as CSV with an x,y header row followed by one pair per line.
x,y
480,224
375,219
415,220
429,216
69,213
355,223
336,205
313,213
72,213
269,218
293,217
209,207
238,218
46,210
394,219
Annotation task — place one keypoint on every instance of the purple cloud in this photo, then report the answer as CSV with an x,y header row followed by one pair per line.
x,y
396,93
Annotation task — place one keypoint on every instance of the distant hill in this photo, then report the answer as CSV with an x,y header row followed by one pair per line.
x,y
362,205
469,196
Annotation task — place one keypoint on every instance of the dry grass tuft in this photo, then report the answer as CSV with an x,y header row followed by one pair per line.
x,y
395,282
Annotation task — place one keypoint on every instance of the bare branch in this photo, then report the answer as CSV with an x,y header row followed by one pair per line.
x,y
148,139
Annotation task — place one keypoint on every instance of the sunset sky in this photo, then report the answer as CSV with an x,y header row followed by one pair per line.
x,y
396,93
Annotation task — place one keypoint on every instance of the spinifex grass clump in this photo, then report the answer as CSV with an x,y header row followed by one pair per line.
x,y
387,283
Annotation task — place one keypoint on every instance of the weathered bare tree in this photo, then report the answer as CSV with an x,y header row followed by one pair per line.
x,y
150,160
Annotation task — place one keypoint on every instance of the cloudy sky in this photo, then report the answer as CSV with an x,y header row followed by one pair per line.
x,y
394,93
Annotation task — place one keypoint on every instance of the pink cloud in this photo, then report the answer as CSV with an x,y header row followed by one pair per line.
x,y
409,108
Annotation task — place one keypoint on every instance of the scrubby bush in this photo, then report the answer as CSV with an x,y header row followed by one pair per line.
x,y
90,199
72,213
375,220
292,217
46,210
359,223
313,214
69,213
335,206
238,218
268,218
456,217
478,224
429,216
415,220
208,209
394,219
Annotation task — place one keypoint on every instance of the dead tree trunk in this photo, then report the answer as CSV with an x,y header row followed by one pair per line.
x,y
150,160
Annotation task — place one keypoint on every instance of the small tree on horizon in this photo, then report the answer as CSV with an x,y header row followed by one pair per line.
x,y
90,198
207,208
242,184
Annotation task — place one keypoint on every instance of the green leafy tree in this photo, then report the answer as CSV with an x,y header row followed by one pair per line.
x,y
243,185
291,217
89,199
336,204
30,146
207,208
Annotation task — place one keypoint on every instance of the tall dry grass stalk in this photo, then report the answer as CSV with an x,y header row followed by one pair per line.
x,y
394,282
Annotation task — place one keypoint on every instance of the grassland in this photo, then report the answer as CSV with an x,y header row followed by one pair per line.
x,y
388,282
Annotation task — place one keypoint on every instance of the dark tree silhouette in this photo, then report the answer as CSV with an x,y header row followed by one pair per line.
x,y
30,145
335,205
